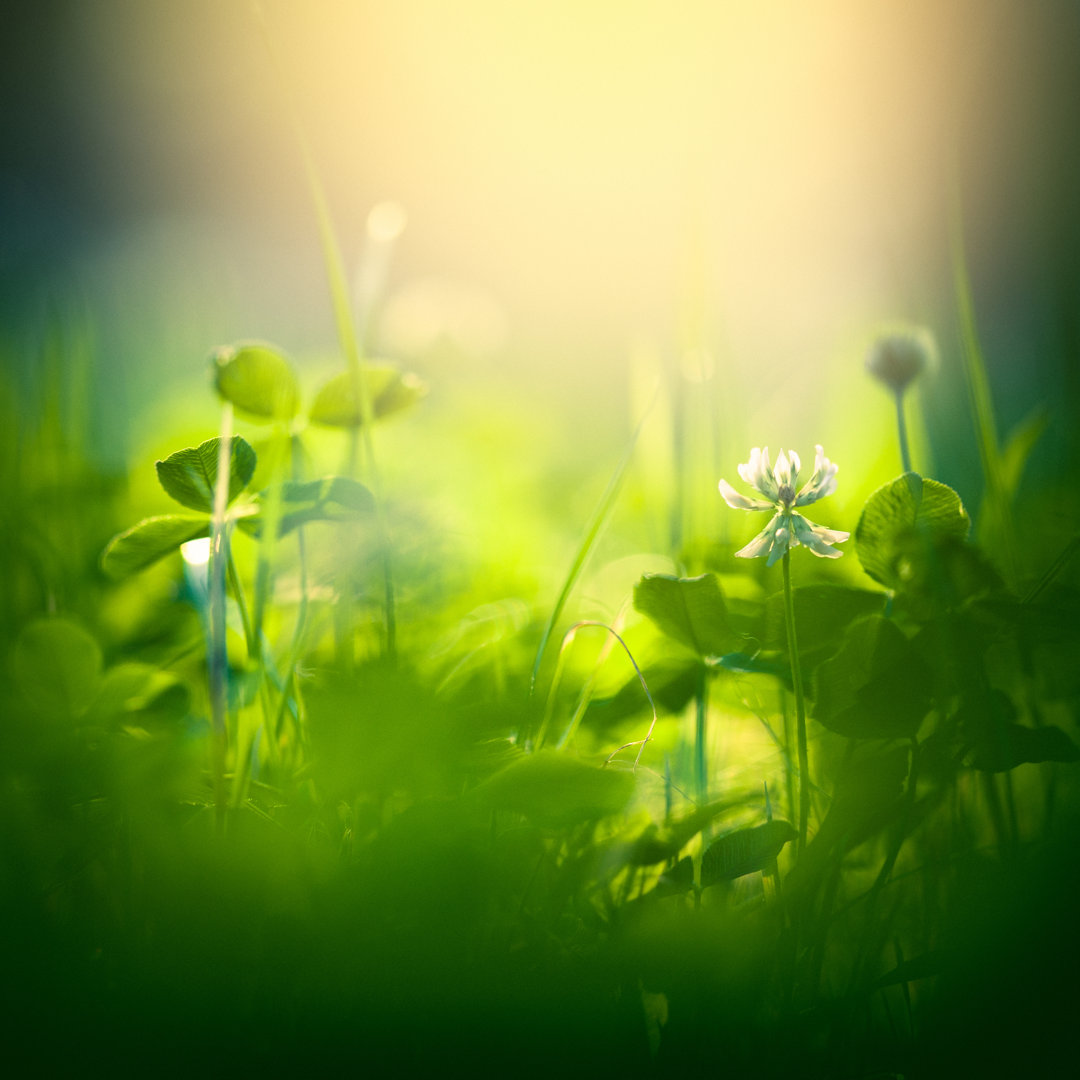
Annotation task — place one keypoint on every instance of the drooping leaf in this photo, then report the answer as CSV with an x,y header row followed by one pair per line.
x,y
999,743
689,610
822,614
190,474
151,539
757,664
333,498
903,518
390,391
257,379
141,695
57,666
663,843
672,684
744,851
868,797
1014,744
877,686
925,966
555,789
679,879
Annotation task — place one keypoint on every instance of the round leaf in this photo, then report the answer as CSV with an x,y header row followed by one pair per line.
x,y
190,474
690,610
258,380
389,391
57,666
876,687
902,517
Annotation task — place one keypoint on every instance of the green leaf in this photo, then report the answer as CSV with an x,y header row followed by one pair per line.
x,y
333,498
257,379
57,667
150,540
190,474
1000,743
868,797
672,684
390,391
1018,448
876,687
744,851
822,614
690,610
556,790
660,844
907,516
1015,744
141,695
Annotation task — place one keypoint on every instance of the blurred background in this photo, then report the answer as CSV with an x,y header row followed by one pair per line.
x,y
595,193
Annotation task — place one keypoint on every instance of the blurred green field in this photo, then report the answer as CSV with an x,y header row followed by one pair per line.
x,y
396,693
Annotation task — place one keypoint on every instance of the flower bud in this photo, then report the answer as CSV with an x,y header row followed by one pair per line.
x,y
896,359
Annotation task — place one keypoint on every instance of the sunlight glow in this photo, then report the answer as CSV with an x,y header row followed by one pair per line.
x,y
196,552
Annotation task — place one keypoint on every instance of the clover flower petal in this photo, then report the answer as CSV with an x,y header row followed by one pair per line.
x,y
787,528
758,473
822,483
741,502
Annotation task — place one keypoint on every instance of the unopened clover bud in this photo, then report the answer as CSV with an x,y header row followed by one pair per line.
x,y
897,359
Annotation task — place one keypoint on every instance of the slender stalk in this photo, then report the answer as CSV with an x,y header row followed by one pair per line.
x,y
701,699
901,427
352,347
217,670
250,639
800,705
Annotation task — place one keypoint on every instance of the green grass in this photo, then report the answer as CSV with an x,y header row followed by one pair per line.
x,y
228,840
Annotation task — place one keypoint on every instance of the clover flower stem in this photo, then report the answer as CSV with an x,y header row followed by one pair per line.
x,y
701,737
800,705
901,426
217,663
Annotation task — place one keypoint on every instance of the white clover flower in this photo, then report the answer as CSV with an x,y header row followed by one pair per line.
x,y
787,529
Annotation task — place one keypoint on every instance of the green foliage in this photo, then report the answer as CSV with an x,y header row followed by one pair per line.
x,y
822,615
903,520
877,686
150,540
672,684
557,790
258,380
333,498
744,851
57,666
390,391
190,475
1018,447
691,611
140,695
